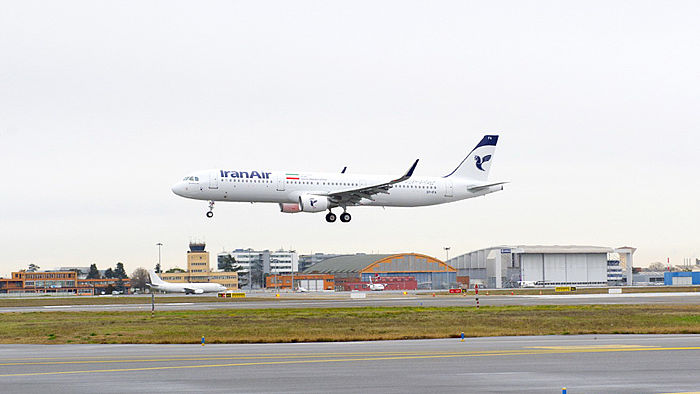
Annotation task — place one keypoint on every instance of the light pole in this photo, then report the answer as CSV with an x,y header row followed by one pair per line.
x,y
159,245
447,257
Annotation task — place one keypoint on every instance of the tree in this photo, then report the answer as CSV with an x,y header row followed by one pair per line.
x,y
120,285
228,264
33,268
139,278
119,272
109,289
657,267
174,270
109,274
256,274
94,272
158,270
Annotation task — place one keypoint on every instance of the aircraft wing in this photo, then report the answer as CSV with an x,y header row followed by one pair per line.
x,y
354,196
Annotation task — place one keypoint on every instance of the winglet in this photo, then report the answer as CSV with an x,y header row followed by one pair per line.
x,y
407,174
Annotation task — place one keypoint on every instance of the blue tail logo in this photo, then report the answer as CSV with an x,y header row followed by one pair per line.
x,y
480,161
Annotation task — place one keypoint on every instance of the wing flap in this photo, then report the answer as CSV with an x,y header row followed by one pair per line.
x,y
354,196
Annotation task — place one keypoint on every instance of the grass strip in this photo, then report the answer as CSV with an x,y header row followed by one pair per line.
x,y
343,324
121,300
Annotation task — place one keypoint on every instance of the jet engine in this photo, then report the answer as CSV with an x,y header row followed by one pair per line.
x,y
312,203
290,207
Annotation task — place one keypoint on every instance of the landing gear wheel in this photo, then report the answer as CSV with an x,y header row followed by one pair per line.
x,y
210,214
330,217
345,217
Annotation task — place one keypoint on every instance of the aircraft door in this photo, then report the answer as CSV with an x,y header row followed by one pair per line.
x,y
449,188
280,183
213,180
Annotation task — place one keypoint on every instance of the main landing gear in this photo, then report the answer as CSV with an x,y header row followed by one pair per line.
x,y
210,213
344,217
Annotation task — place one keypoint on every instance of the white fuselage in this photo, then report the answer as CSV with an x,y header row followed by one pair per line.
x,y
196,288
287,187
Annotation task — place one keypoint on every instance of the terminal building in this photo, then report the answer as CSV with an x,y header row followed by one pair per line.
x,y
428,272
59,282
511,266
199,271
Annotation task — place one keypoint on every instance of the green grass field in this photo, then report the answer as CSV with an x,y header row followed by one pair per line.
x,y
343,324
131,299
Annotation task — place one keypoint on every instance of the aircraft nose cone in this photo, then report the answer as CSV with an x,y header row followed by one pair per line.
x,y
178,189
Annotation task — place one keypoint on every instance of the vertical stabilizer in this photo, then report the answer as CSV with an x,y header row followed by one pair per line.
x,y
155,279
477,164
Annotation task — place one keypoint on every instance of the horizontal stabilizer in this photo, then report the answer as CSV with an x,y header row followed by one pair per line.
x,y
476,188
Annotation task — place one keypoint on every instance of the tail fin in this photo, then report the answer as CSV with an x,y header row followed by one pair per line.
x,y
155,279
478,162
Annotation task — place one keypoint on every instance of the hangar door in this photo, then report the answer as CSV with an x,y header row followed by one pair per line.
x,y
577,267
555,267
682,280
532,266
311,284
597,267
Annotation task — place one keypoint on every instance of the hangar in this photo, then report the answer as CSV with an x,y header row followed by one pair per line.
x,y
429,272
522,266
682,278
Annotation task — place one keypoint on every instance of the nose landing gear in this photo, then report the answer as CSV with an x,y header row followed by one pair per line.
x,y
210,213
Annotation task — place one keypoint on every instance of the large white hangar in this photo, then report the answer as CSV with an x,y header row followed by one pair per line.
x,y
537,265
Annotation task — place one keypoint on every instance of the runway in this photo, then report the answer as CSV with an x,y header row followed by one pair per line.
x,y
383,300
605,363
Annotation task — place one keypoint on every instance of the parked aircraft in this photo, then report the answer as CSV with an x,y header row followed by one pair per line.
x,y
299,191
376,286
188,288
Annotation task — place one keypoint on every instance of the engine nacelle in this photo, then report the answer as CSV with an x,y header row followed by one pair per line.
x,y
290,207
312,203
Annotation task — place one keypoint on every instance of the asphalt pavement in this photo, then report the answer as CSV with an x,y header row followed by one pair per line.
x,y
582,364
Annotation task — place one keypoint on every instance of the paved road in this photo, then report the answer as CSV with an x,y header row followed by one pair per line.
x,y
606,363
393,300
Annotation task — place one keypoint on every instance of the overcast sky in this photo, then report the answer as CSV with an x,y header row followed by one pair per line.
x,y
104,105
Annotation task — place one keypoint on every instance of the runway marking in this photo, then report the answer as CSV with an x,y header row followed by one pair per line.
x,y
591,347
404,357
284,355
258,356
686,392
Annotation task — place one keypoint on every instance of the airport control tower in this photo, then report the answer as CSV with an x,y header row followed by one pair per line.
x,y
198,262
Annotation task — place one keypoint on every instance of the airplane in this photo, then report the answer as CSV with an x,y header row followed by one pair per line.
x,y
376,286
296,191
188,288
